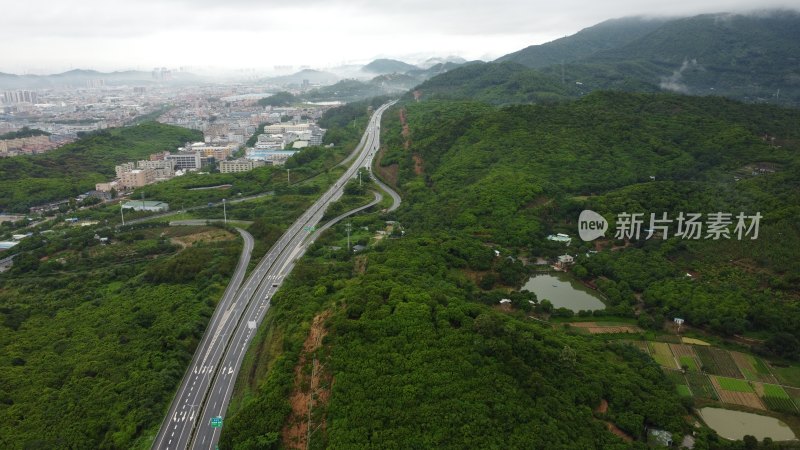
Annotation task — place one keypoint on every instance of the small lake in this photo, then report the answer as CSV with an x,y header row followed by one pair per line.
x,y
736,424
564,291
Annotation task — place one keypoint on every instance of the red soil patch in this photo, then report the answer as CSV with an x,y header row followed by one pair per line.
x,y
308,391
417,164
406,132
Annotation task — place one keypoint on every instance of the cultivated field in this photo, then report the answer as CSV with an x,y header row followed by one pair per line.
x,y
685,355
681,384
775,397
733,384
693,341
701,386
753,368
662,354
718,362
749,399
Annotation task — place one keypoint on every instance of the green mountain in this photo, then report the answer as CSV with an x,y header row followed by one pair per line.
x,y
405,342
346,91
606,35
297,78
748,57
511,176
743,56
497,83
384,66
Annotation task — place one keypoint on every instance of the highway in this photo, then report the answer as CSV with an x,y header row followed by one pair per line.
x,y
208,383
185,390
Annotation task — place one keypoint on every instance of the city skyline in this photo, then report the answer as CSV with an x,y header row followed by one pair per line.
x,y
39,38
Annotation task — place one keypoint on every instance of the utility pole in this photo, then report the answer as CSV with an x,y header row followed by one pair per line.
x,y
359,178
288,180
224,212
121,213
348,227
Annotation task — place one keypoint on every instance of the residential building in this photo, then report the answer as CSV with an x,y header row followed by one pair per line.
x,y
185,160
284,127
316,139
14,97
164,169
564,261
124,167
270,142
137,178
218,152
240,165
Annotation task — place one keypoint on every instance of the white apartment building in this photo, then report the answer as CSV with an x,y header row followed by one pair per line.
x,y
240,165
185,161
164,169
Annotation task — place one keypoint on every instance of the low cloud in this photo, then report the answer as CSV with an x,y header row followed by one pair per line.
x,y
675,82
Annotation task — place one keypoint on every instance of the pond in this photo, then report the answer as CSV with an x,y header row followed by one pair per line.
x,y
736,424
564,291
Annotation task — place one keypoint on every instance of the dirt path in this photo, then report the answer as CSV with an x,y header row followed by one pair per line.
x,y
602,409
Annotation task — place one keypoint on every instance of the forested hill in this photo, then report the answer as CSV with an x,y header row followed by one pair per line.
x,y
514,175
748,57
75,168
404,344
606,35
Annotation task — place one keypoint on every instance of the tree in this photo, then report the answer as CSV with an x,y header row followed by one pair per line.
x,y
783,344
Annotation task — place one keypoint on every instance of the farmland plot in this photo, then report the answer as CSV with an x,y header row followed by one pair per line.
x,y
753,368
775,397
749,399
685,355
718,362
662,354
701,386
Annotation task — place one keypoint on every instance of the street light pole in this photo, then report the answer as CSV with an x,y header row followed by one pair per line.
x,y
224,212
121,213
348,227
288,180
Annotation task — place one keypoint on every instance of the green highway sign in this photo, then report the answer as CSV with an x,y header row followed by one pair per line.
x,y
310,228
216,422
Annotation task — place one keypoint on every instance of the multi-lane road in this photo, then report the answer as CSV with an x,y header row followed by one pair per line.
x,y
208,383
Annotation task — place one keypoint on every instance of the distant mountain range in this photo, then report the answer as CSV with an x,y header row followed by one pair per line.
x,y
384,66
313,77
379,77
82,78
755,58
345,83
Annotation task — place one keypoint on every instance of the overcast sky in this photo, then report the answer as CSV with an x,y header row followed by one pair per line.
x,y
38,36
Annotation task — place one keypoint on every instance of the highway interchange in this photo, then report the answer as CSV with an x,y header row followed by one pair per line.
x,y
207,386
